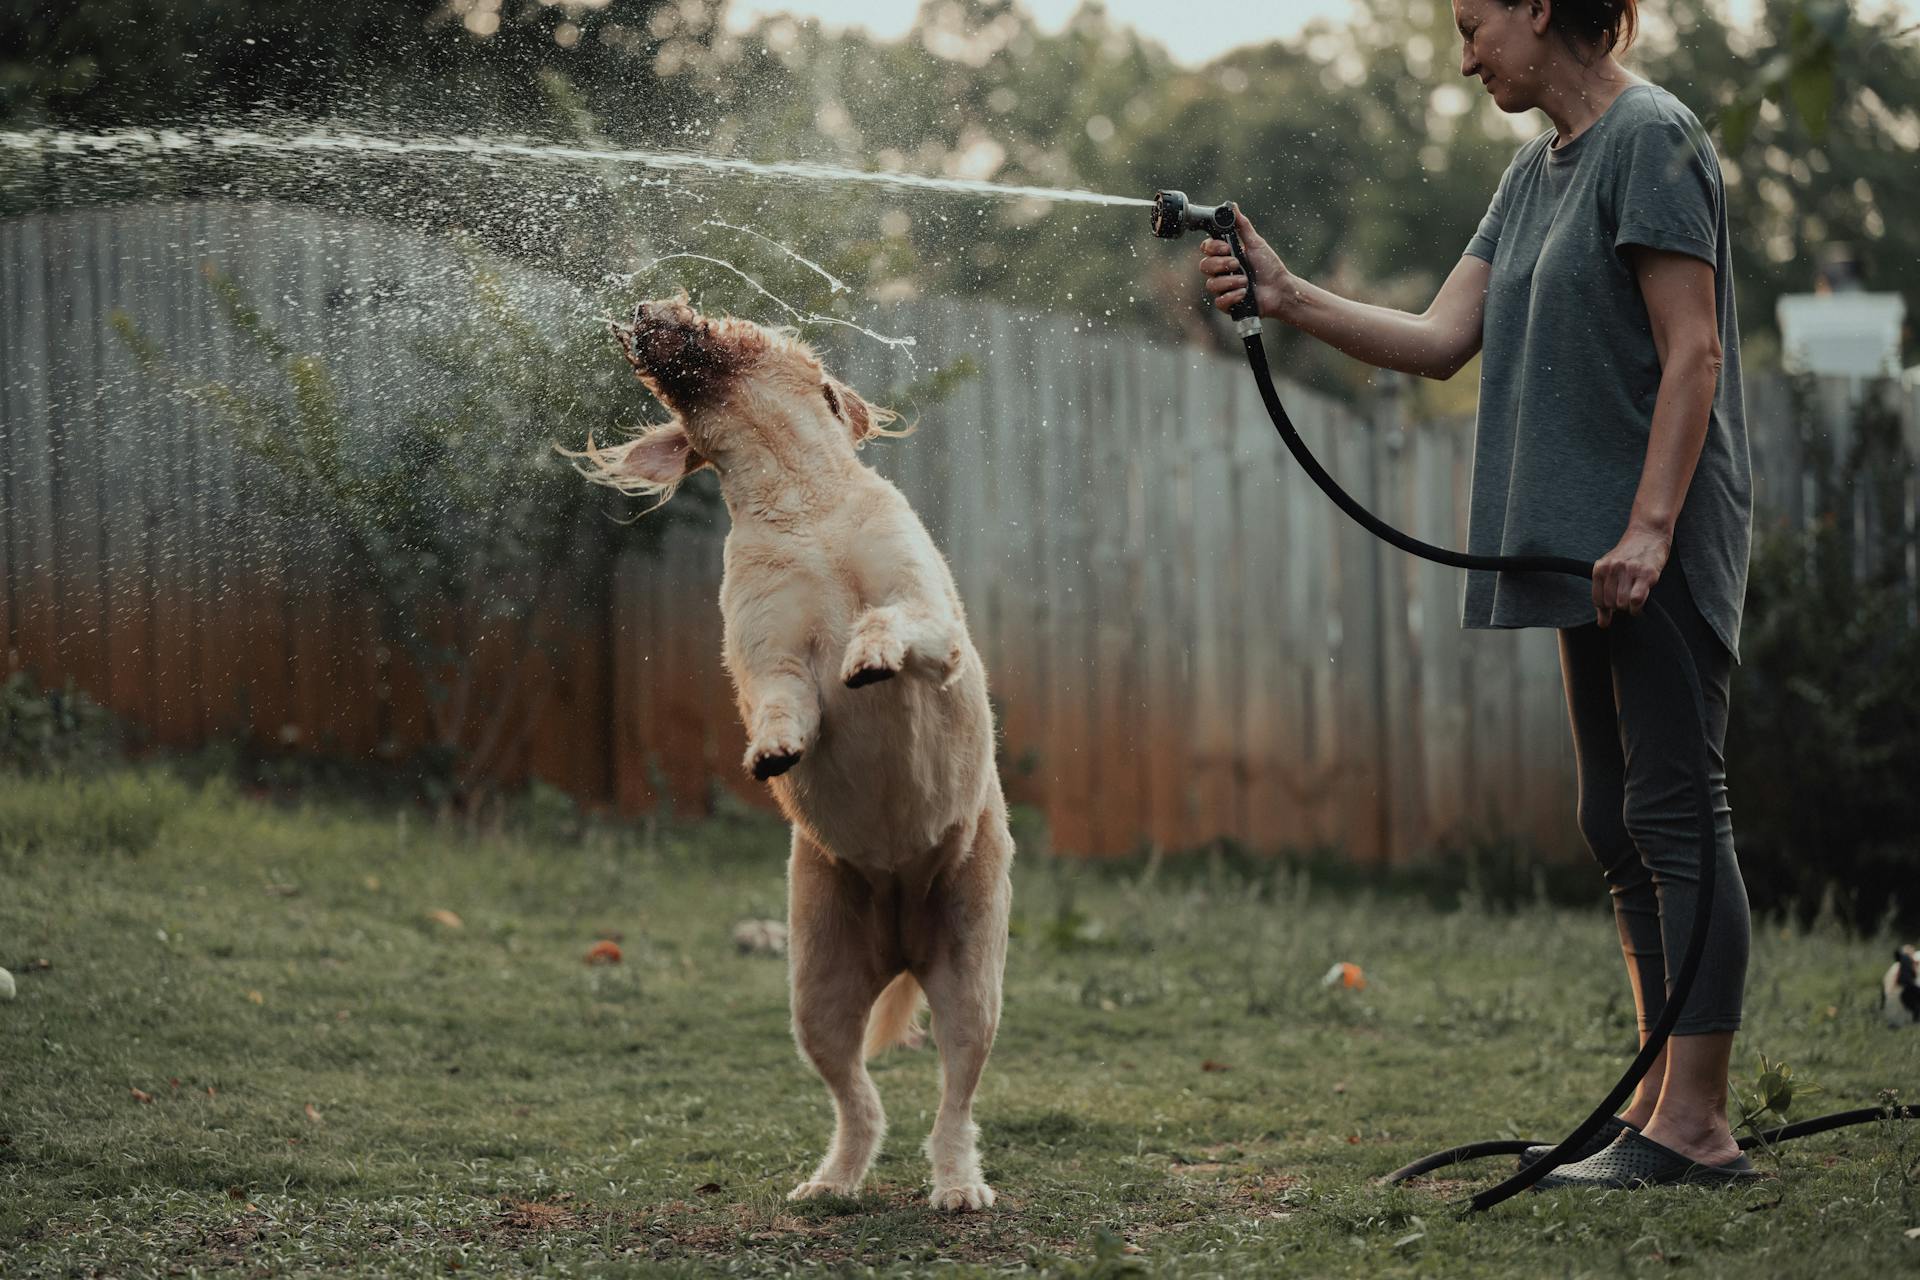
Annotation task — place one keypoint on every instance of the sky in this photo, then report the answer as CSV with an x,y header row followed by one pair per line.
x,y
1191,39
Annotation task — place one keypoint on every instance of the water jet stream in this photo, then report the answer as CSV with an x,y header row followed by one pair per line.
x,y
181,142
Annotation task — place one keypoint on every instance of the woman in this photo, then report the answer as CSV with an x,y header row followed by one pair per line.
x,y
1610,428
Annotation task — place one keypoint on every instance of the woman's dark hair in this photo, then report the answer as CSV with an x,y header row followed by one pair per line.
x,y
1609,25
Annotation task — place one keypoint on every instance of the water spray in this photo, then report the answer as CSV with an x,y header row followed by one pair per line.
x,y
1173,216
187,142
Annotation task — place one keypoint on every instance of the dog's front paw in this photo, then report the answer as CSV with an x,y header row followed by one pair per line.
x,y
963,1197
861,677
766,765
875,652
774,751
813,1189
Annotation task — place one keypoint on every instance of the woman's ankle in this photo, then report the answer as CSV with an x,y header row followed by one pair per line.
x,y
1696,1133
1641,1110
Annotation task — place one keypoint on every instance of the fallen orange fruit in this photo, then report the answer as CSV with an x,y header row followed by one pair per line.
x,y
1345,974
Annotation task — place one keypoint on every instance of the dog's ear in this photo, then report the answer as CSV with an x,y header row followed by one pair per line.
x,y
662,457
653,463
862,419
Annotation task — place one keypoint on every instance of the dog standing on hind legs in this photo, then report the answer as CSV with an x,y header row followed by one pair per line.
x,y
865,706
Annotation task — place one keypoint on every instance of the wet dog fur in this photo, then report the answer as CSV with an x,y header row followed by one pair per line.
x,y
866,711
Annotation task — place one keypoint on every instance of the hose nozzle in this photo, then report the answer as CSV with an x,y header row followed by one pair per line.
x,y
1173,216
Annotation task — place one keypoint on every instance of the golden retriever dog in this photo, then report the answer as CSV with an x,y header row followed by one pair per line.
x,y
866,710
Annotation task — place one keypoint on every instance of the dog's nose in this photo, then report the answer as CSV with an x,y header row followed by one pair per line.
x,y
664,317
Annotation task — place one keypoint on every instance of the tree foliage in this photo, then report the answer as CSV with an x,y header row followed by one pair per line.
x,y
481,62
1359,149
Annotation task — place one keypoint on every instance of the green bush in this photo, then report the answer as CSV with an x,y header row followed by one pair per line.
x,y
1822,751
453,515
53,730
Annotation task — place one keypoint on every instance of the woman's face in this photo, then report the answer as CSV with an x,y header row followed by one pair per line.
x,y
1500,46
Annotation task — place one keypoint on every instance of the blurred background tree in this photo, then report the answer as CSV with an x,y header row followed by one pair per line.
x,y
1358,148
478,63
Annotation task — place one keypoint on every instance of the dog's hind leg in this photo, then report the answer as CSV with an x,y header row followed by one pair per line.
x,y
962,982
837,973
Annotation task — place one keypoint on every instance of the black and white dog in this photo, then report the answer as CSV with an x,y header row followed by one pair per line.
x,y
1902,987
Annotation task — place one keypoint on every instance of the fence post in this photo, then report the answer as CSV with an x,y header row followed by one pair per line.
x,y
1402,733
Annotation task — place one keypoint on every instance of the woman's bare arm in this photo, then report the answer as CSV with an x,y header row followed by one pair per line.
x,y
1433,344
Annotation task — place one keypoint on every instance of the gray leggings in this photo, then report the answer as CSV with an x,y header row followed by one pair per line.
x,y
1634,736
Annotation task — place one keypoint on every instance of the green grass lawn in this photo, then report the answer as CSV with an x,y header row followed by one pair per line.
x,y
255,1050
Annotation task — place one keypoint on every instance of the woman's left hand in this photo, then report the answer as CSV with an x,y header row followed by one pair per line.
x,y
1624,577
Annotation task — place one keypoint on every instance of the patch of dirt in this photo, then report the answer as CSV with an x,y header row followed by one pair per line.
x,y
1242,1192
227,1246
821,1235
514,1223
889,1223
535,1216
1262,1190
1446,1188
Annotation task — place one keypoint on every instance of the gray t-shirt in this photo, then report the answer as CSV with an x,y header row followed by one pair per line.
x,y
1569,372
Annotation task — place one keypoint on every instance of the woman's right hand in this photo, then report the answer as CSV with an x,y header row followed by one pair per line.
x,y
1228,284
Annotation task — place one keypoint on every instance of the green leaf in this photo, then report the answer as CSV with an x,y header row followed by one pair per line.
x,y
1812,89
1736,124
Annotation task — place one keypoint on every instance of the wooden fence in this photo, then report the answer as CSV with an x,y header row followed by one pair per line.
x,y
1185,639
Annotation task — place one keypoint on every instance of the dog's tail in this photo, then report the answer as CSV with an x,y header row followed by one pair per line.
x,y
895,1019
